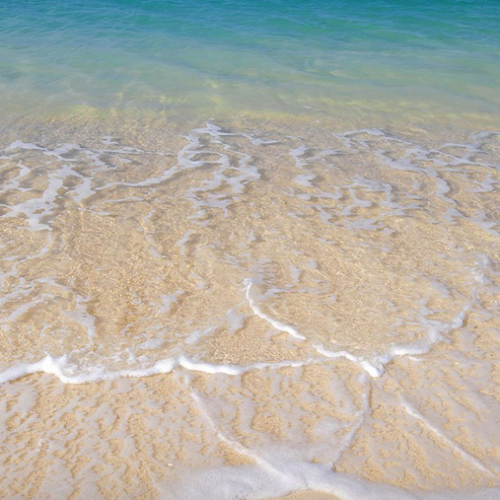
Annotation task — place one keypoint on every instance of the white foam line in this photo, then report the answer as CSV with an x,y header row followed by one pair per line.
x,y
368,367
375,366
235,445
371,368
278,325
468,457
62,369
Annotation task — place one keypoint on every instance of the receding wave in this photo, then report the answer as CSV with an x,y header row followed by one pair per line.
x,y
305,301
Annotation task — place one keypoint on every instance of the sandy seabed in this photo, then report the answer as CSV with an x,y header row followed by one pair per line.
x,y
308,495
285,302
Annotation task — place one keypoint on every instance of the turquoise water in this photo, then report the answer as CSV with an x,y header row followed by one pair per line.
x,y
209,57
248,248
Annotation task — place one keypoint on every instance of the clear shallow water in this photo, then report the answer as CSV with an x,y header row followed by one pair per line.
x,y
250,312
298,291
212,59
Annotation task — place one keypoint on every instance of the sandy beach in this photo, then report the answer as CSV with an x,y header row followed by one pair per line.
x,y
249,248
307,495
213,350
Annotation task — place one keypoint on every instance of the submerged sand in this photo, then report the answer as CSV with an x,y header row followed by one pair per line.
x,y
238,311
308,495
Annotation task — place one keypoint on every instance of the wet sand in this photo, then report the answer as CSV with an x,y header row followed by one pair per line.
x,y
308,495
240,304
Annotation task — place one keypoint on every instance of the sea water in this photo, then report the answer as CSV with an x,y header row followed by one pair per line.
x,y
428,60
248,248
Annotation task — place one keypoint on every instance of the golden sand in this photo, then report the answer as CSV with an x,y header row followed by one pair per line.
x,y
256,299
308,495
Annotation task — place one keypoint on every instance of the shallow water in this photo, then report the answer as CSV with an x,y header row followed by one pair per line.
x,y
326,298
367,60
248,249
359,244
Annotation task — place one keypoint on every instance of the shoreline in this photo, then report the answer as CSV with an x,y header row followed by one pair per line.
x,y
307,495
136,247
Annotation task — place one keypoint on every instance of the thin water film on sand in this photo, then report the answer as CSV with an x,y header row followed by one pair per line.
x,y
290,304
